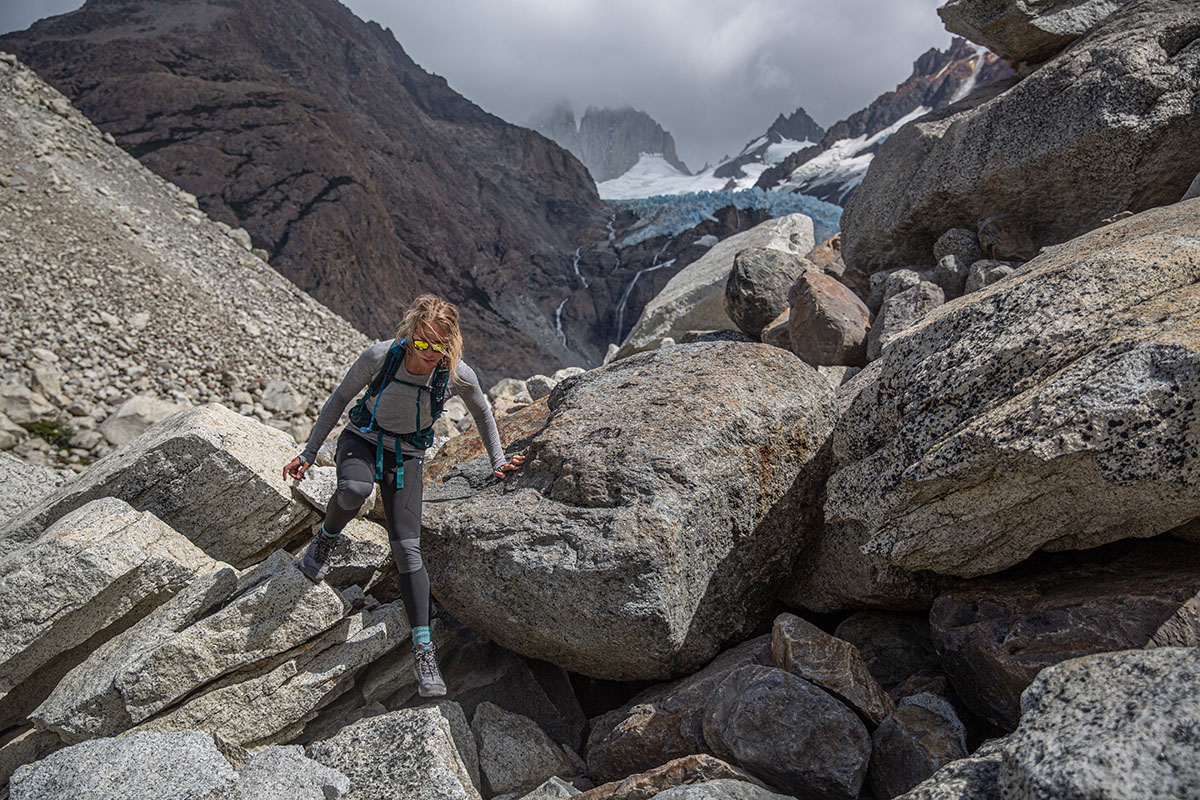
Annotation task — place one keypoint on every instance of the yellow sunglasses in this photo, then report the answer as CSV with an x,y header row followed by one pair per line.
x,y
421,344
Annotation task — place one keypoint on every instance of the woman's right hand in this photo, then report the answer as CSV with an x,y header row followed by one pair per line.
x,y
295,469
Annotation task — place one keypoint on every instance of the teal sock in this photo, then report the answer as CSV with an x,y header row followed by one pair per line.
x,y
327,534
421,635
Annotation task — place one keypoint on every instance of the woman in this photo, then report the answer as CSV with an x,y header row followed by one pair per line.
x,y
406,380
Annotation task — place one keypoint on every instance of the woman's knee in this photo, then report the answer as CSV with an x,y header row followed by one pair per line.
x,y
407,553
351,494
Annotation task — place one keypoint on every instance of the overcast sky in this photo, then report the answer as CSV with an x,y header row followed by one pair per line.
x,y
714,73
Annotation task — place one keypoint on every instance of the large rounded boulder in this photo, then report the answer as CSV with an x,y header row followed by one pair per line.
x,y
1025,33
1106,126
1055,409
655,517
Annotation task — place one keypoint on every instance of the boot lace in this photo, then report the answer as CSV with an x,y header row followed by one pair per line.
x,y
324,547
426,658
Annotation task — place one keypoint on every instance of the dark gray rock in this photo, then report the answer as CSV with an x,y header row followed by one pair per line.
x,y
951,274
889,283
986,272
995,636
834,574
803,649
962,243
894,646
665,722
788,732
909,746
757,289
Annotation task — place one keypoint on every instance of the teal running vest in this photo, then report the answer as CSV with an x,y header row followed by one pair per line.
x,y
420,438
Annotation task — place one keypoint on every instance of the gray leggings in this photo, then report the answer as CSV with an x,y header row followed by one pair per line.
x,y
402,509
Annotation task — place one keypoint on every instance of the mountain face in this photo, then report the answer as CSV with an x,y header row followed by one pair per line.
x,y
833,168
608,141
798,127
366,179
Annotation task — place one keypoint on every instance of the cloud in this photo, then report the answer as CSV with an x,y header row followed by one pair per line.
x,y
713,73
769,76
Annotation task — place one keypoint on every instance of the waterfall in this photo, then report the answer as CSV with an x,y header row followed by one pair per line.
x,y
562,336
575,266
629,289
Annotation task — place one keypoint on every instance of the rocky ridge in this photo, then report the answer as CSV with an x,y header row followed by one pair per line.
x,y
797,127
939,78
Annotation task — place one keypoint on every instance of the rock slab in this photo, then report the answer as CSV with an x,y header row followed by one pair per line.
x,y
89,570
180,766
404,755
1053,410
181,471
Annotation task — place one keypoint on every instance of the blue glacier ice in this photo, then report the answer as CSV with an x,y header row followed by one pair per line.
x,y
671,214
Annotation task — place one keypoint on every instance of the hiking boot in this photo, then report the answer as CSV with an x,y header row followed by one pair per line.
x,y
425,667
315,564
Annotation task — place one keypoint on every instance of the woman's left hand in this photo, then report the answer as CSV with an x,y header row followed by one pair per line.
x,y
509,467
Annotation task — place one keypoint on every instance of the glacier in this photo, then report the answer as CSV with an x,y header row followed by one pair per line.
x,y
671,214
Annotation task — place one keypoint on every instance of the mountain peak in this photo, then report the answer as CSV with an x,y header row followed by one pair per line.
x,y
609,141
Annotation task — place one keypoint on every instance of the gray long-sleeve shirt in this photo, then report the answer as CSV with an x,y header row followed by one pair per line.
x,y
397,411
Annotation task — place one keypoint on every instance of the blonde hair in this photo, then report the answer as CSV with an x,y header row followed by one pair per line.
x,y
429,310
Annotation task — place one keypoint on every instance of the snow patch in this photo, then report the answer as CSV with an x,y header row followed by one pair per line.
x,y
780,150
968,86
651,176
845,162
